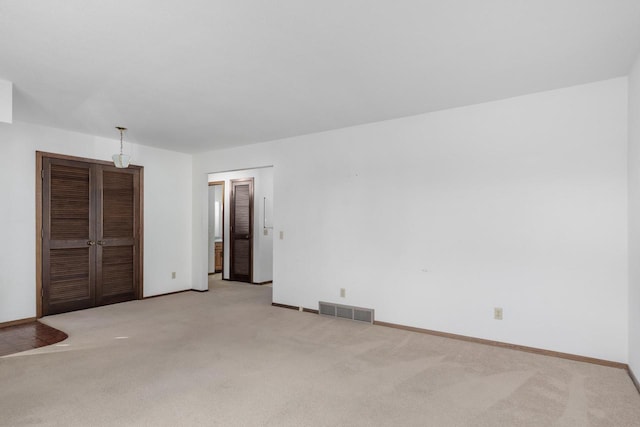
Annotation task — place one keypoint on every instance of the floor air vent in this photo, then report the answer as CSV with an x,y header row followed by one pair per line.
x,y
346,312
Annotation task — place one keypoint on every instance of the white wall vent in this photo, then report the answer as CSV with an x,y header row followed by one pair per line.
x,y
346,311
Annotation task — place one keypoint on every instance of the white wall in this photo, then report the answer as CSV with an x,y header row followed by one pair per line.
x,y
634,218
520,203
262,244
6,101
167,211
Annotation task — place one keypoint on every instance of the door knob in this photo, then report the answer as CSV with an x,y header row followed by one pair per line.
x,y
91,243
101,242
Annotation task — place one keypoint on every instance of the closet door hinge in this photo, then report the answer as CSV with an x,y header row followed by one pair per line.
x,y
42,173
42,232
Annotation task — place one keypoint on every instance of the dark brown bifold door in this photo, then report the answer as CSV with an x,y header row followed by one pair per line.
x,y
68,236
241,213
91,224
116,234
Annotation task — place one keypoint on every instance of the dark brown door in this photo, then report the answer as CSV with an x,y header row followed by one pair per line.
x,y
68,249
116,234
241,261
90,239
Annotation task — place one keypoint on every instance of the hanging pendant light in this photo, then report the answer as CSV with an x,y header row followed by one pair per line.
x,y
121,160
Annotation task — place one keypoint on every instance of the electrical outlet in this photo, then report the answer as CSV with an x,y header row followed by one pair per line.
x,y
343,292
497,313
173,274
266,232
282,235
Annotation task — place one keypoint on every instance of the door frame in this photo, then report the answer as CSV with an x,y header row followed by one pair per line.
x,y
232,196
211,184
40,155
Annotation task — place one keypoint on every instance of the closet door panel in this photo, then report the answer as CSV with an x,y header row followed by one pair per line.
x,y
117,271
68,251
118,204
117,235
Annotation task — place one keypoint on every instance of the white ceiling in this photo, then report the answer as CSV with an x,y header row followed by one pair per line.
x,y
195,75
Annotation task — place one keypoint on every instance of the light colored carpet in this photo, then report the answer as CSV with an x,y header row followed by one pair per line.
x,y
227,358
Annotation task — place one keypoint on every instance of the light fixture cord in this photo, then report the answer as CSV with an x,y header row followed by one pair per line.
x,y
121,132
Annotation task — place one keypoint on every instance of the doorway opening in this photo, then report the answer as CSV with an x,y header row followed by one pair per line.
x,y
245,235
216,227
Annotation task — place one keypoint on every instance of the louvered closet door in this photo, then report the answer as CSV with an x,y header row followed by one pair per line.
x,y
241,230
117,234
68,254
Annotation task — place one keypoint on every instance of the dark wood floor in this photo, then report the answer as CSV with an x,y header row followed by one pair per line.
x,y
14,339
